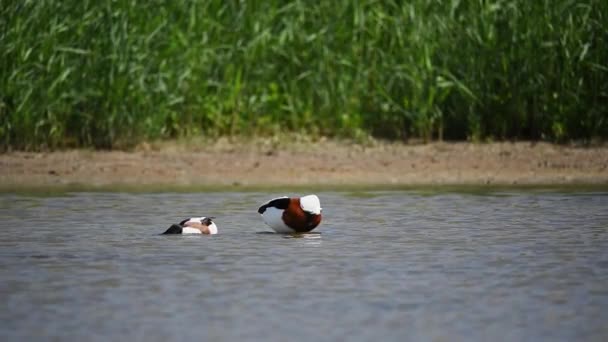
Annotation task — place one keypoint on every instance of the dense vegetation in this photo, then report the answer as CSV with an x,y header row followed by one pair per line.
x,y
109,73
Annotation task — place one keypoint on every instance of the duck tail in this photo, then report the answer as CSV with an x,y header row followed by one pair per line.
x,y
174,229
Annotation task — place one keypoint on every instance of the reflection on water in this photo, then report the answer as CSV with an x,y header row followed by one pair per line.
x,y
382,266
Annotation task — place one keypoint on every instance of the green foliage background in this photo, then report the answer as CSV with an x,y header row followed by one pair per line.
x,y
111,73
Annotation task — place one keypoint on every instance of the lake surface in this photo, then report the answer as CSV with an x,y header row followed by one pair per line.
x,y
384,266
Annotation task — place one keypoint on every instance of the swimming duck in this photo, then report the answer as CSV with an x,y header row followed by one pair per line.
x,y
292,214
194,225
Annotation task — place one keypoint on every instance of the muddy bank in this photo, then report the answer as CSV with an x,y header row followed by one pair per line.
x,y
325,163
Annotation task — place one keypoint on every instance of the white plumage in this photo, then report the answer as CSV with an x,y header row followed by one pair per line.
x,y
273,217
189,230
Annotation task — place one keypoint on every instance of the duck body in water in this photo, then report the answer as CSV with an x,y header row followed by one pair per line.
x,y
292,214
194,225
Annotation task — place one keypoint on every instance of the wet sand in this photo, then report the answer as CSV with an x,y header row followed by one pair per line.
x,y
325,163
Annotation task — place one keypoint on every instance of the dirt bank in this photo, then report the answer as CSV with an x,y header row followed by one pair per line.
x,y
264,163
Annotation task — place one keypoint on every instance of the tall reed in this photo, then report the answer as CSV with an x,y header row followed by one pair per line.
x,y
111,73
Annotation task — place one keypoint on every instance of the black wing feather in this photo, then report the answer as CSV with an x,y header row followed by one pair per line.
x,y
279,203
174,229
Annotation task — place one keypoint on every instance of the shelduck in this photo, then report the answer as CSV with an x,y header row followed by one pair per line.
x,y
194,225
292,214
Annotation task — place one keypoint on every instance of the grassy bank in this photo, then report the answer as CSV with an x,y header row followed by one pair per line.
x,y
112,73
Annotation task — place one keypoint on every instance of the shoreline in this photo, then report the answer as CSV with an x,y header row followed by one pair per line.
x,y
300,164
352,190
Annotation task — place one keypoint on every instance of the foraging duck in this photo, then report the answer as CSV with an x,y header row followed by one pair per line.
x,y
292,214
194,225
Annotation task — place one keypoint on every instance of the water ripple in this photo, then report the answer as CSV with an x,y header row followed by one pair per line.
x,y
388,266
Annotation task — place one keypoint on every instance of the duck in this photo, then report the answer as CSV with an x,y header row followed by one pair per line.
x,y
194,225
290,215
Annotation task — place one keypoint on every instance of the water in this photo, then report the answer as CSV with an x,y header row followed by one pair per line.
x,y
386,266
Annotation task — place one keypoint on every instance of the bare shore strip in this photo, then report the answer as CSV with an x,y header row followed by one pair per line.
x,y
325,163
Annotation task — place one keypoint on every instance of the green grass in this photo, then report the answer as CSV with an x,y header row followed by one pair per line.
x,y
367,190
109,74
350,190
